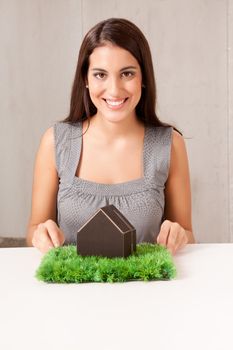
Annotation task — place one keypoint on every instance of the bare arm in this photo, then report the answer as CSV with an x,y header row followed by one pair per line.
x,y
176,230
42,228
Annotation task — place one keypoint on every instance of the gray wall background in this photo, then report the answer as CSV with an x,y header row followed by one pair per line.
x,y
191,43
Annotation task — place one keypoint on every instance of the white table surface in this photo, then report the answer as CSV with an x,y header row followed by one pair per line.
x,y
194,311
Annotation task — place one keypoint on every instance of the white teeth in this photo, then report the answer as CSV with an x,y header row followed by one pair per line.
x,y
115,103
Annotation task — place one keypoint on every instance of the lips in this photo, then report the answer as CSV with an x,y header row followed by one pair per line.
x,y
115,103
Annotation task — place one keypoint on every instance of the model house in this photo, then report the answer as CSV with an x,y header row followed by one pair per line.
x,y
107,233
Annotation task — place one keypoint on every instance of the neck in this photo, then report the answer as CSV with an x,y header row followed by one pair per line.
x,y
110,130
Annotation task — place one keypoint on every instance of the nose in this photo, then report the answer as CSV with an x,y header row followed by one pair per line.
x,y
114,85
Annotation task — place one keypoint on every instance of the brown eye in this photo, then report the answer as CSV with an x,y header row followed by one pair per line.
x,y
99,75
127,74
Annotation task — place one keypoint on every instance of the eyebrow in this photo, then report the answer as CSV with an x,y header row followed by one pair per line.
x,y
103,70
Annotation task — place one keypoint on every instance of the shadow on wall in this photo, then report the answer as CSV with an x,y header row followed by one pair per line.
x,y
6,242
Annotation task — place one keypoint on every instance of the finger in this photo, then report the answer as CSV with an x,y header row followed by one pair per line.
x,y
182,241
61,237
56,235
164,232
173,238
41,239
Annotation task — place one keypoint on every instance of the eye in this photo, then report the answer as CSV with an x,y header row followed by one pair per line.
x,y
99,75
128,74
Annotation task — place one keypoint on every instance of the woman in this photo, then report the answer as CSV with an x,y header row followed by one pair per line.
x,y
112,149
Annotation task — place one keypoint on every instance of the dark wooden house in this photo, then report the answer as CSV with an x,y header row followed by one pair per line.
x,y
107,233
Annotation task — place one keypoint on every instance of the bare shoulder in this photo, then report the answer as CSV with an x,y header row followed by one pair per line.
x,y
177,140
179,158
47,139
178,145
46,151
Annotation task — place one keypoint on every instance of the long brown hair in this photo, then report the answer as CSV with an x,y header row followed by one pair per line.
x,y
123,33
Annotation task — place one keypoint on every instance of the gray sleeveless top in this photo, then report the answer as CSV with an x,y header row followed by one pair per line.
x,y
141,201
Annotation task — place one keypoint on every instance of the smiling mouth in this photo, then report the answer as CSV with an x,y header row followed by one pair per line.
x,y
115,103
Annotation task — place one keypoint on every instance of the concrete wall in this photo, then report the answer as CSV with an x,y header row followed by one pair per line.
x,y
191,43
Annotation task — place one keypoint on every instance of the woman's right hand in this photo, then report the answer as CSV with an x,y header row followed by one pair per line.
x,y
47,235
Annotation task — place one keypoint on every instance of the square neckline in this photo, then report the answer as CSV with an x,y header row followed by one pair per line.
x,y
124,184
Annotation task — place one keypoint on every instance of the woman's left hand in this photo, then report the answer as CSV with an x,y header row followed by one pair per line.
x,y
172,236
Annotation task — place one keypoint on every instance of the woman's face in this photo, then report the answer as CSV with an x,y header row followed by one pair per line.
x,y
115,81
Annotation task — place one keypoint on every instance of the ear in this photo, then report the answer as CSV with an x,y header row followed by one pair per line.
x,y
86,83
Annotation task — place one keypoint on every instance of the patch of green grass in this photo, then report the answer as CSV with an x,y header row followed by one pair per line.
x,y
64,265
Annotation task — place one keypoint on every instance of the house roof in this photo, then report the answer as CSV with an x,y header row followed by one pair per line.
x,y
115,216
